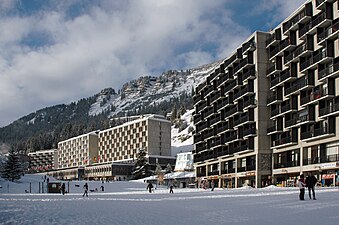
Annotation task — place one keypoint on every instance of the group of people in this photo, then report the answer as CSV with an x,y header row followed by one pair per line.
x,y
310,183
150,187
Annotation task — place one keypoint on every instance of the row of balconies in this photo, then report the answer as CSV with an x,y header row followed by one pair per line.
x,y
229,149
328,33
320,20
321,159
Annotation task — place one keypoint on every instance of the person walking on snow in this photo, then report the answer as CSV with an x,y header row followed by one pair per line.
x,y
85,190
170,185
311,181
149,187
301,185
63,188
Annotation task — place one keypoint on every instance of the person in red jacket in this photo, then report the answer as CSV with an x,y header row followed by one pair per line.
x,y
301,185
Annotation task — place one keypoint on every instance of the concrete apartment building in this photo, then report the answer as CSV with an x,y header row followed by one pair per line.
x,y
79,151
41,161
270,111
118,146
304,93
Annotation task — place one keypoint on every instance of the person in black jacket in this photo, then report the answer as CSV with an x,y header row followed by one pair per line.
x,y
311,181
150,187
85,190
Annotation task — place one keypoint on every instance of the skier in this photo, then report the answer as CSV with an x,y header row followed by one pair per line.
x,y
85,190
301,184
149,187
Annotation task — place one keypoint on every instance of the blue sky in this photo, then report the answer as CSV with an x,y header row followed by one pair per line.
x,y
58,51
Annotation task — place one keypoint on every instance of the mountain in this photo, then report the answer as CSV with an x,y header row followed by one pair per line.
x,y
170,92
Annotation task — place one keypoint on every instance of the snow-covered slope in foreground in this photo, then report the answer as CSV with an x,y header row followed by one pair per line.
x,y
130,203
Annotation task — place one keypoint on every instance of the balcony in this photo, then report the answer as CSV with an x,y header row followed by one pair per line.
x,y
286,164
273,39
197,99
251,132
198,138
209,90
310,28
286,44
323,159
331,71
230,112
287,141
274,99
249,46
316,96
321,3
202,105
299,85
275,113
328,34
273,69
293,23
300,120
226,77
250,103
250,74
225,128
224,103
215,97
245,119
212,173
311,63
288,108
274,129
244,91
284,76
316,134
303,50
331,110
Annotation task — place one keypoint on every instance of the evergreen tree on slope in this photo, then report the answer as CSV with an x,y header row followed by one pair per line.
x,y
11,169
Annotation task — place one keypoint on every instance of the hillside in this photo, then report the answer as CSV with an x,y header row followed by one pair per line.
x,y
169,92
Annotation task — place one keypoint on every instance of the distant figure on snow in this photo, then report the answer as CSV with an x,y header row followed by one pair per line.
x,y
170,185
63,188
311,181
301,185
85,190
149,187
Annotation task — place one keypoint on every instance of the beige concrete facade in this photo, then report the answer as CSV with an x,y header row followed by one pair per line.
x,y
79,151
151,133
40,161
270,111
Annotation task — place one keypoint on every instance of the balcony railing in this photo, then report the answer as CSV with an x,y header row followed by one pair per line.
x,y
286,164
328,32
314,133
323,159
328,71
314,96
329,110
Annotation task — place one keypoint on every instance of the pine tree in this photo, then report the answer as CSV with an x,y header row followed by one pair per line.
x,y
141,167
11,169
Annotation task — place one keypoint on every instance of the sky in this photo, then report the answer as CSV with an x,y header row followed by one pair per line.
x,y
57,51
124,203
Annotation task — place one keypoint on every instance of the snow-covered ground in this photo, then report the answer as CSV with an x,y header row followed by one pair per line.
x,y
129,203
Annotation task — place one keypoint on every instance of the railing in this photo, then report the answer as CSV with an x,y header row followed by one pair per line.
x,y
250,131
322,159
314,96
328,32
286,164
273,37
294,20
249,102
315,133
297,86
329,109
327,71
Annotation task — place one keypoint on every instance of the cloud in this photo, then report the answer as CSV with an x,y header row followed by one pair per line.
x,y
61,51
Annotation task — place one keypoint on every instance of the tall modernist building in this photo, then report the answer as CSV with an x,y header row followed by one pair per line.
x,y
118,146
77,152
304,93
270,111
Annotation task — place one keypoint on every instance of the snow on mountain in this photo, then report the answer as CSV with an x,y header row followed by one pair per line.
x,y
148,90
182,141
